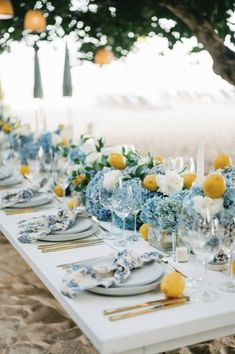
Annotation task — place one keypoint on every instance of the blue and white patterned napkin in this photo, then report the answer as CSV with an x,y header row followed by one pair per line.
x,y
40,227
23,195
81,277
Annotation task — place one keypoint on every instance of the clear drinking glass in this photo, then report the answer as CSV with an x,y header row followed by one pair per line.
x,y
62,179
122,205
137,204
228,241
105,198
205,244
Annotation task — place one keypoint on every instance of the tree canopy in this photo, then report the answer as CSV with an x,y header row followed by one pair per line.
x,y
118,24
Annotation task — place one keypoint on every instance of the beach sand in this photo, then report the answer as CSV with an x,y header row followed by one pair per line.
x,y
32,321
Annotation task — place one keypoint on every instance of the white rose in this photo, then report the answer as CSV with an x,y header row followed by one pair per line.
x,y
143,161
111,179
170,183
23,130
106,151
129,147
55,138
204,204
93,157
88,146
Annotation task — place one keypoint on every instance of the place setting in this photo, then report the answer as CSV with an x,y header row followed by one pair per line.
x,y
8,178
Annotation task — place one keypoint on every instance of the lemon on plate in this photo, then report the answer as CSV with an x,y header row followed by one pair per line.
x,y
222,161
117,160
189,178
214,186
173,284
150,183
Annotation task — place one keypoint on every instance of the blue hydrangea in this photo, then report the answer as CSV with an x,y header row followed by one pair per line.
x,y
92,198
163,212
75,153
229,175
45,141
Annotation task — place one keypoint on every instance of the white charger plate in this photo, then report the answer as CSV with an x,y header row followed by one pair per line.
x,y
11,181
37,200
5,172
142,280
71,237
82,223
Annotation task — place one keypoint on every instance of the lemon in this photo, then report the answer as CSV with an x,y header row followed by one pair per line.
x,y
222,161
58,190
61,126
144,231
79,179
117,160
158,159
189,178
214,186
73,203
173,284
64,141
150,183
24,170
6,128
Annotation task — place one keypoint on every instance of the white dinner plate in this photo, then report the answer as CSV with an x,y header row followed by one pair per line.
x,y
38,200
11,181
127,291
146,276
82,223
71,237
5,172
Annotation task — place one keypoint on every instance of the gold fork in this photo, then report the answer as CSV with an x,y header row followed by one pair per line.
x,y
70,246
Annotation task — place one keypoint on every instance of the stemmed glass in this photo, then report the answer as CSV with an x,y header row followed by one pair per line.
x,y
205,243
228,240
122,205
62,179
105,198
137,204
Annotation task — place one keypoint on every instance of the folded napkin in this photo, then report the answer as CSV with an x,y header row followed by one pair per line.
x,y
40,227
23,195
5,172
81,277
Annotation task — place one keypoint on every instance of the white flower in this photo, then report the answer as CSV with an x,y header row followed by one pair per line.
x,y
129,147
88,146
23,130
170,183
107,150
203,205
111,179
55,139
143,161
93,157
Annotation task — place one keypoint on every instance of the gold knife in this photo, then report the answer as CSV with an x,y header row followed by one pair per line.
x,y
158,307
144,304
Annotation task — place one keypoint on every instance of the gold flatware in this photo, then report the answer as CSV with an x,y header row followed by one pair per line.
x,y
143,304
158,307
67,265
166,261
70,246
23,210
61,243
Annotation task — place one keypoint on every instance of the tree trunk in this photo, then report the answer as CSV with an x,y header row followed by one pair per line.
x,y
223,57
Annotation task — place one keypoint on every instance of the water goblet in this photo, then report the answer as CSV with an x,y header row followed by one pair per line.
x,y
105,198
122,205
228,241
137,204
205,244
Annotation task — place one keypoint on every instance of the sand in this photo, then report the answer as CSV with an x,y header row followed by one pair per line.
x,y
32,321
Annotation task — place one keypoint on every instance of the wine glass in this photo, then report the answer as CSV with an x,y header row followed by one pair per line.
x,y
205,244
122,205
188,164
62,179
136,190
105,198
228,241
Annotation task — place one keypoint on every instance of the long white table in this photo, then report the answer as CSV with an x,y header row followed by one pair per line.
x,y
152,333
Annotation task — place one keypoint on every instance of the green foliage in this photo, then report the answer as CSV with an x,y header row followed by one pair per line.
x,y
117,24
